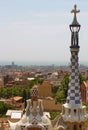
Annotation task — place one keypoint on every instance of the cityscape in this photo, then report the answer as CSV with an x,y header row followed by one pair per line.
x,y
43,79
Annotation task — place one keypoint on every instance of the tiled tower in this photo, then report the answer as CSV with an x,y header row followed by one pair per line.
x,y
73,113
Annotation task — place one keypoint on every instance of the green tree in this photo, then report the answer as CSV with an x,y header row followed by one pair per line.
x,y
31,83
24,97
55,89
63,88
60,96
64,84
82,78
13,91
4,107
37,80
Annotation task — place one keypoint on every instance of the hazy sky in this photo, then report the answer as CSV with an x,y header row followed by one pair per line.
x,y
38,30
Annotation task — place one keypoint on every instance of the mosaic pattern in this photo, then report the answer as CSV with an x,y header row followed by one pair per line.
x,y
74,88
34,92
46,127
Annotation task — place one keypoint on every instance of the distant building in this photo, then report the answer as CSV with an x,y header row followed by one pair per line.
x,y
84,91
50,105
8,80
1,81
45,90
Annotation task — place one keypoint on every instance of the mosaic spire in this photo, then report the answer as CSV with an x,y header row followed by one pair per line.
x,y
74,97
73,112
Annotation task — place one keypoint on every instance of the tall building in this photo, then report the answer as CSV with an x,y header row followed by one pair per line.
x,y
73,112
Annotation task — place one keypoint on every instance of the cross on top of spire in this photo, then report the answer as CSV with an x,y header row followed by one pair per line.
x,y
75,11
75,22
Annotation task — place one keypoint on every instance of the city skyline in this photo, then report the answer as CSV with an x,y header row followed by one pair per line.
x,y
38,31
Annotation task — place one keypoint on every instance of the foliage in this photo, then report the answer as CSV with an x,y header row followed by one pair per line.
x,y
54,115
13,91
86,122
37,80
31,83
55,89
86,104
61,91
6,92
82,78
85,125
64,84
24,97
4,107
60,96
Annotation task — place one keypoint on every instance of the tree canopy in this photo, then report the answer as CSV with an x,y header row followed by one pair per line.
x,y
4,107
61,90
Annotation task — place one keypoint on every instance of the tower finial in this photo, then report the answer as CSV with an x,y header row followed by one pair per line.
x,y
75,11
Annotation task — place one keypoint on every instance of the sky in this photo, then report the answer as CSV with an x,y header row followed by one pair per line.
x,y
37,31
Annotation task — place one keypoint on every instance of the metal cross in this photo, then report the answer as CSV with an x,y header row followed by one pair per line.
x,y
75,11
